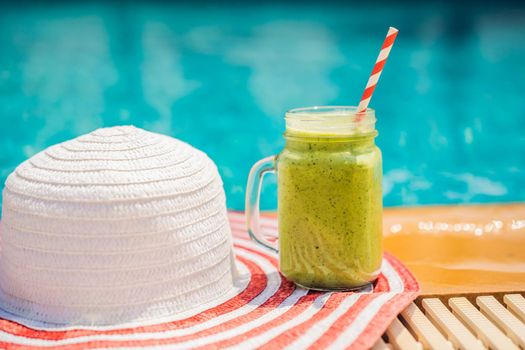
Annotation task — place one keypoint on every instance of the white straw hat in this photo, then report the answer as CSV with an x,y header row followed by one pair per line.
x,y
114,226
121,239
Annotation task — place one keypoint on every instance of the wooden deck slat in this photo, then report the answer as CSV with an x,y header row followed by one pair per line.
x,y
485,330
426,332
456,331
400,338
509,323
381,345
516,303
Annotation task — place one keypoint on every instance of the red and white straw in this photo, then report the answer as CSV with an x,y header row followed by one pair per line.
x,y
378,68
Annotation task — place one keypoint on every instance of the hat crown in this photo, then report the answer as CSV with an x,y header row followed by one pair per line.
x,y
117,225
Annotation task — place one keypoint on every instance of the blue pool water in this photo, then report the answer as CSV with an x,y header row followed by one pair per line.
x,y
451,102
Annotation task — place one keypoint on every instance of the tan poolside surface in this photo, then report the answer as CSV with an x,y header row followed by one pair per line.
x,y
460,249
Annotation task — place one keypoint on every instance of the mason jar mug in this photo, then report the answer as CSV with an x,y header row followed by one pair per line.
x,y
329,199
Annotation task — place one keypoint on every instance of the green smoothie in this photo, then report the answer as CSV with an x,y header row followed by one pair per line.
x,y
330,209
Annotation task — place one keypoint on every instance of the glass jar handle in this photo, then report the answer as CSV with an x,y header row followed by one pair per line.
x,y
253,194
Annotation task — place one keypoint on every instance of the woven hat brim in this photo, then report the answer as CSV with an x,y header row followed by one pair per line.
x,y
264,309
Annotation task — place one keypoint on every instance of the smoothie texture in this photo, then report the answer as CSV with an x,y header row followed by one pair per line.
x,y
330,209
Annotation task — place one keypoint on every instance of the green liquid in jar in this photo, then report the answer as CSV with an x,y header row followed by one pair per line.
x,y
330,210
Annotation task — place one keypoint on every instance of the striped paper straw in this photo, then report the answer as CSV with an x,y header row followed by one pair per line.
x,y
376,72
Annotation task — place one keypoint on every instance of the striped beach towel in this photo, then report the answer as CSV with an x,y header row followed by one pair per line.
x,y
267,313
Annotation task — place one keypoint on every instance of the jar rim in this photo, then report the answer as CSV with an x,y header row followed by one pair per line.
x,y
335,120
317,110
